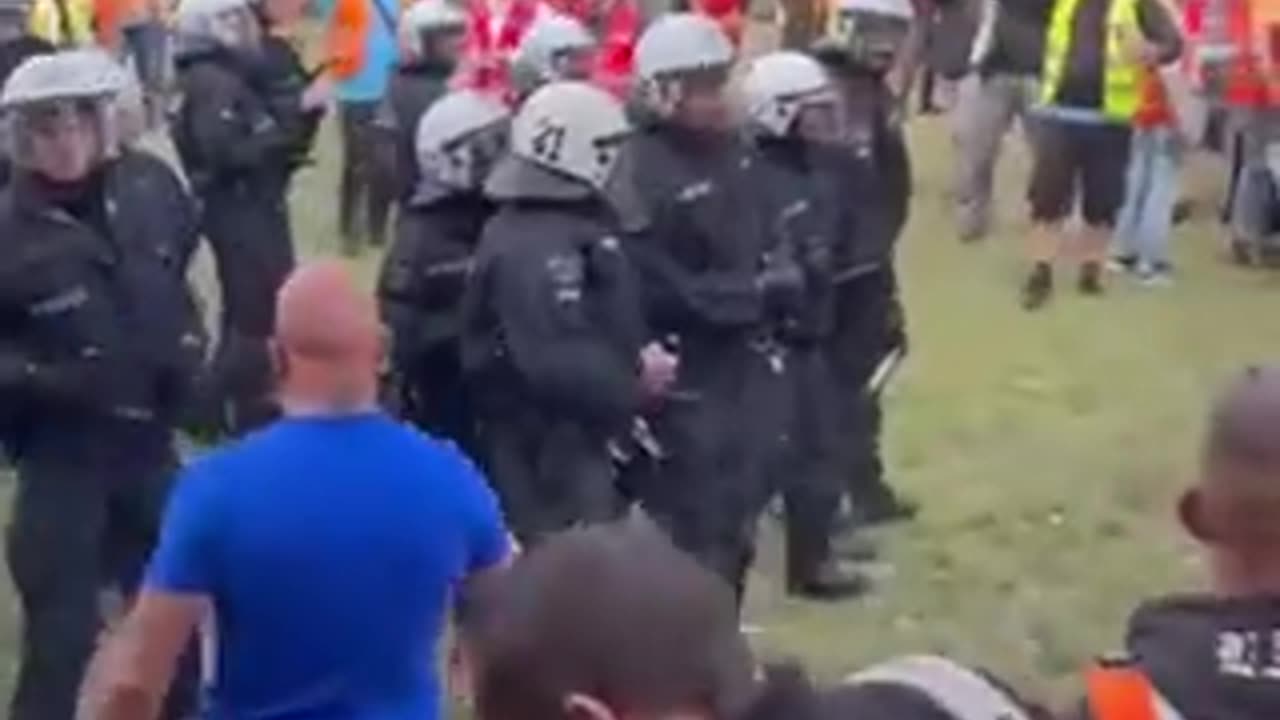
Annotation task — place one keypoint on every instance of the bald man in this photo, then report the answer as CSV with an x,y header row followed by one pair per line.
x,y
1217,655
326,546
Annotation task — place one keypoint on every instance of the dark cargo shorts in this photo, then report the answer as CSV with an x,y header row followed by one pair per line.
x,y
1073,159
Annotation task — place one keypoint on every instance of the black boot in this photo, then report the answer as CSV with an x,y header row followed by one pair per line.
x,y
881,507
1091,279
830,582
1038,288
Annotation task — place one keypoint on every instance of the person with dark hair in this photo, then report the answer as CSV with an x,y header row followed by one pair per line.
x,y
1094,55
656,637
1215,654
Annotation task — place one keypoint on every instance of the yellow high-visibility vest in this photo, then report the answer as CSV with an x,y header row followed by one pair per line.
x,y
76,30
1122,72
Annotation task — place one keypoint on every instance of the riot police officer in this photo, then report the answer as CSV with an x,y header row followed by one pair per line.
x,y
557,47
793,118
424,274
865,38
703,252
238,157
552,326
431,35
98,345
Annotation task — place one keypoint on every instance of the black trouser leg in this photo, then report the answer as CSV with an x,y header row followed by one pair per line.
x,y
355,183
54,553
253,252
813,485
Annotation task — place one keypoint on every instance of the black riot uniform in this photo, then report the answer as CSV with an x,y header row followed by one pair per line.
x,y
414,87
99,345
552,332
702,255
811,222
869,324
420,290
239,157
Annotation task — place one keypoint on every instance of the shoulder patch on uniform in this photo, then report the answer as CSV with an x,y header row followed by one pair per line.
x,y
695,191
610,243
565,270
62,302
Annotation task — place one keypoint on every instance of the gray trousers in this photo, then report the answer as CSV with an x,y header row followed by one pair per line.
x,y
1254,204
985,109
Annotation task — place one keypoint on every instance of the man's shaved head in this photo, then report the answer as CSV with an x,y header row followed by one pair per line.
x,y
328,338
1241,479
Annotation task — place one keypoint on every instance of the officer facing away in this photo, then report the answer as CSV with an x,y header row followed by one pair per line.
x,y
98,346
238,156
793,117
708,290
425,273
553,327
431,35
864,40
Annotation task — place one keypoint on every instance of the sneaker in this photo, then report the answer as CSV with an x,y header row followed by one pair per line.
x,y
1155,275
1091,279
1122,263
1038,288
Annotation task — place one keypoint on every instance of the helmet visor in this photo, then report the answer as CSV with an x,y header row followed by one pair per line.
x,y
61,140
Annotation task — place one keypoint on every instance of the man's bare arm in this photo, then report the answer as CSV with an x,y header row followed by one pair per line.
x,y
129,676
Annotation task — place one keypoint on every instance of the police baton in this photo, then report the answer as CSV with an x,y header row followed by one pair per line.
x,y
885,370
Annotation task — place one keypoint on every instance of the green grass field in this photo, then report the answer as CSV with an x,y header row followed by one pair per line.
x,y
1046,449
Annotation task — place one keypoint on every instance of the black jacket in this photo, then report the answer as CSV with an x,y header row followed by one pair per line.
x,y
281,78
807,219
412,90
97,323
702,247
424,275
1212,659
226,129
552,319
1018,41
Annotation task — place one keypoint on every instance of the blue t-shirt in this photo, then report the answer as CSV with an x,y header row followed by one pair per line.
x,y
328,546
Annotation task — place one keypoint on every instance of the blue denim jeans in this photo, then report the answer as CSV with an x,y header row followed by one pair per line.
x,y
1146,220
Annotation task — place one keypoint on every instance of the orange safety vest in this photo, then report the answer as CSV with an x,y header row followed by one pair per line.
x,y
1123,692
345,37
727,14
1253,79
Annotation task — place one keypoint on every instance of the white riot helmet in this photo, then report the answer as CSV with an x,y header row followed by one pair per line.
x,y
565,139
868,32
779,86
459,139
47,90
674,48
425,18
557,47
231,24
